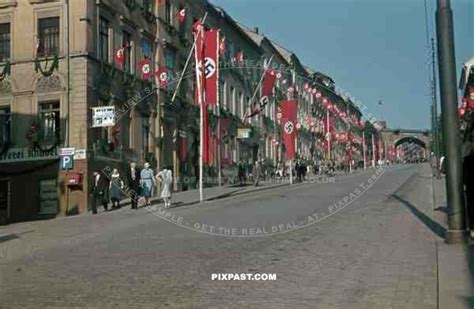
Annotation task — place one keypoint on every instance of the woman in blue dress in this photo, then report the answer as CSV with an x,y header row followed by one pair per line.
x,y
147,180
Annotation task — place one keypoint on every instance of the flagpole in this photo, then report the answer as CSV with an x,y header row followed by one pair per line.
x,y
363,150
219,143
186,65
373,151
328,134
201,112
291,171
261,80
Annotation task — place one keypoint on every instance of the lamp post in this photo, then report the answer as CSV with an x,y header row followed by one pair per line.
x,y
449,100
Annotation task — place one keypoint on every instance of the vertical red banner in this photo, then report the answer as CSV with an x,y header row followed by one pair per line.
x,y
288,111
210,65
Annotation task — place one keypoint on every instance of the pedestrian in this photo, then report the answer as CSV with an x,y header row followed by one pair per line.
x,y
442,165
241,173
99,185
434,164
133,182
166,178
115,188
256,173
298,171
147,180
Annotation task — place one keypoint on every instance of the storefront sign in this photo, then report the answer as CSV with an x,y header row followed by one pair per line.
x,y
14,155
103,116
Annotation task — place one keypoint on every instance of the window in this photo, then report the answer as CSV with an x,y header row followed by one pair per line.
x,y
104,39
4,42
170,64
48,36
5,125
147,51
168,12
127,44
49,120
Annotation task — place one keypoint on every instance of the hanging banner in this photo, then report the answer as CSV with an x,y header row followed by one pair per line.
x,y
288,110
210,65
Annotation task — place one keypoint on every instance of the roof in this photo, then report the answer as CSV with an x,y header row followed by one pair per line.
x,y
256,37
309,70
286,53
223,14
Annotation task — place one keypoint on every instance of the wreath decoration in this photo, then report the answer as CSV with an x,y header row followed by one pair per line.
x,y
47,72
5,71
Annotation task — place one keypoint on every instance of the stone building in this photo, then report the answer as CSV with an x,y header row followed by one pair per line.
x,y
57,59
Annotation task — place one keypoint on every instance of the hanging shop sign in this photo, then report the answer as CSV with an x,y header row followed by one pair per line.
x,y
103,116
243,133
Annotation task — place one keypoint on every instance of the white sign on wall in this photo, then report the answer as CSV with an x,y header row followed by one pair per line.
x,y
103,116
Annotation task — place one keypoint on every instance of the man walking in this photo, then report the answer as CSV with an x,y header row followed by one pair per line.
x,y
100,186
133,182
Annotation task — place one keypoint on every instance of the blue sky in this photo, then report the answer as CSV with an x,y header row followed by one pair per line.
x,y
373,49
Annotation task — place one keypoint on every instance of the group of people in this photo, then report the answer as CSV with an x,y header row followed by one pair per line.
x,y
242,173
138,184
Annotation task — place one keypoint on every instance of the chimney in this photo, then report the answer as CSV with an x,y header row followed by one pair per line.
x,y
255,30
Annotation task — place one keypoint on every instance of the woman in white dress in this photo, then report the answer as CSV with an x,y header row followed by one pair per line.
x,y
165,176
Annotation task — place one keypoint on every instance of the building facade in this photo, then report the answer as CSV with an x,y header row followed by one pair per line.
x,y
62,59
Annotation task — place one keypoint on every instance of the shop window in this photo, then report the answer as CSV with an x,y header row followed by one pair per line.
x,y
5,125
48,36
104,39
49,115
4,42
48,197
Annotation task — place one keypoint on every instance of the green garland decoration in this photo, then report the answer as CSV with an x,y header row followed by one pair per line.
x,y
107,69
6,71
47,72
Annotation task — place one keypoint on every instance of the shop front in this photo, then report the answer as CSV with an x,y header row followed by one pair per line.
x,y
28,184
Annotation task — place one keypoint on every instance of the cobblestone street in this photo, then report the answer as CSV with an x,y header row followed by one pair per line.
x,y
374,253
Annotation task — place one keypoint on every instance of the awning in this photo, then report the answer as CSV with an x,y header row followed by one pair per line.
x,y
466,71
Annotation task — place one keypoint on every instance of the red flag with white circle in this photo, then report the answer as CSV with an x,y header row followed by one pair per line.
x,y
288,110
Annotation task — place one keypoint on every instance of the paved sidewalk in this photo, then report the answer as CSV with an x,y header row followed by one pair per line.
x,y
190,197
455,261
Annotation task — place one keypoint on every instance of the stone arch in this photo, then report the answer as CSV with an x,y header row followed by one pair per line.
x,y
410,139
